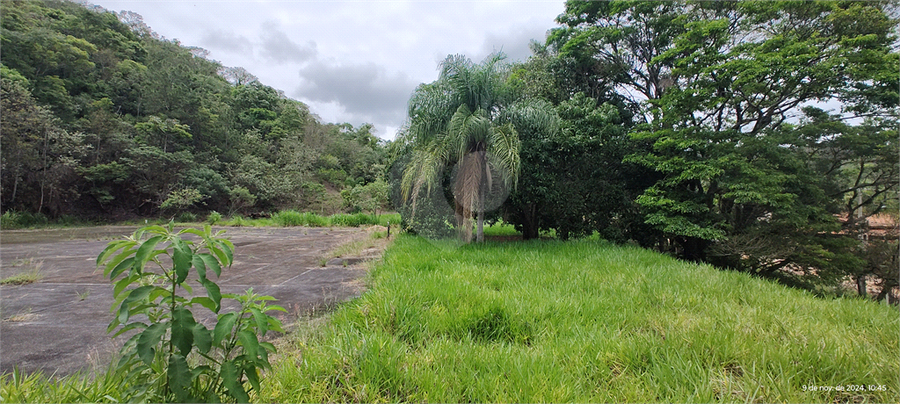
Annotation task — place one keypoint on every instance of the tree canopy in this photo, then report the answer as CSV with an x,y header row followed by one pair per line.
x,y
105,119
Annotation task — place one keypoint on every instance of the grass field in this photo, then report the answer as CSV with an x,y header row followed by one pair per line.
x,y
552,321
586,322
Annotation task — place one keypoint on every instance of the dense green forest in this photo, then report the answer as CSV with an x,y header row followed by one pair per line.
x,y
103,119
735,133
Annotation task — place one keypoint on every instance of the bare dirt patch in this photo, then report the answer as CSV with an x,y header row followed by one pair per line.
x,y
58,323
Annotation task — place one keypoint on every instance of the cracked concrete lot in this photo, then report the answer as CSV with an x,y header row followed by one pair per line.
x,y
58,324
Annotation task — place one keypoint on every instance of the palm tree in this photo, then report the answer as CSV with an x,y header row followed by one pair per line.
x,y
460,119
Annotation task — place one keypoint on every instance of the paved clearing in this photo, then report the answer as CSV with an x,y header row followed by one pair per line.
x,y
58,324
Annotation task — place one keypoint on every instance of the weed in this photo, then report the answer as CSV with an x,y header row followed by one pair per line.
x,y
21,316
31,273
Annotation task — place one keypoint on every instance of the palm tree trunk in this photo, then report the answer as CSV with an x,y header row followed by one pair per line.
x,y
481,191
480,235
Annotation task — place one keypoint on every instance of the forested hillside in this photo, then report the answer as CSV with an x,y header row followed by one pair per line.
x,y
104,119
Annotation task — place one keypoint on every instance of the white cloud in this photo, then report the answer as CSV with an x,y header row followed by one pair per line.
x,y
351,60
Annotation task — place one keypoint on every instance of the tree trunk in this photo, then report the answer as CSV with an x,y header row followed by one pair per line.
x,y
529,222
479,237
480,232
861,285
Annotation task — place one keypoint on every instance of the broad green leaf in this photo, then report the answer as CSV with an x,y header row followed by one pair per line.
x,y
231,379
212,290
228,247
144,253
182,330
195,232
111,248
138,293
202,338
127,328
211,263
275,324
268,346
198,263
133,296
157,293
182,259
252,376
263,358
203,301
220,255
261,324
179,378
113,324
122,266
224,327
116,261
249,342
123,283
149,338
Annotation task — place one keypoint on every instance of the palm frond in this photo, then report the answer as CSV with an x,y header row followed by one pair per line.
x,y
503,149
424,169
532,115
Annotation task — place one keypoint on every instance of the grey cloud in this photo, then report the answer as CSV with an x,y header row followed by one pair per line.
x,y
278,47
514,43
367,91
227,41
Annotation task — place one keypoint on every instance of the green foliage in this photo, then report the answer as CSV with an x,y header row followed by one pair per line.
x,y
547,322
370,197
455,121
735,181
574,180
213,218
171,357
38,387
181,199
293,218
15,220
186,217
104,118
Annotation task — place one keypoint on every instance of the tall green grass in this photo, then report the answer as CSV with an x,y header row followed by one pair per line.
x,y
18,387
293,218
587,322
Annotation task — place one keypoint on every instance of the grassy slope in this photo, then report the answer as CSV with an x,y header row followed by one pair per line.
x,y
583,321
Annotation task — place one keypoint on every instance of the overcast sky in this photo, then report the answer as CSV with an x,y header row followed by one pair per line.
x,y
350,61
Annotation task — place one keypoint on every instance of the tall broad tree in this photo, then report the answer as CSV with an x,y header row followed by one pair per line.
x,y
458,120
724,86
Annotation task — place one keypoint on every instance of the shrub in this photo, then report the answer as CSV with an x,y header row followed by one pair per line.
x,y
213,217
172,357
187,217
15,220
348,220
181,199
289,218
